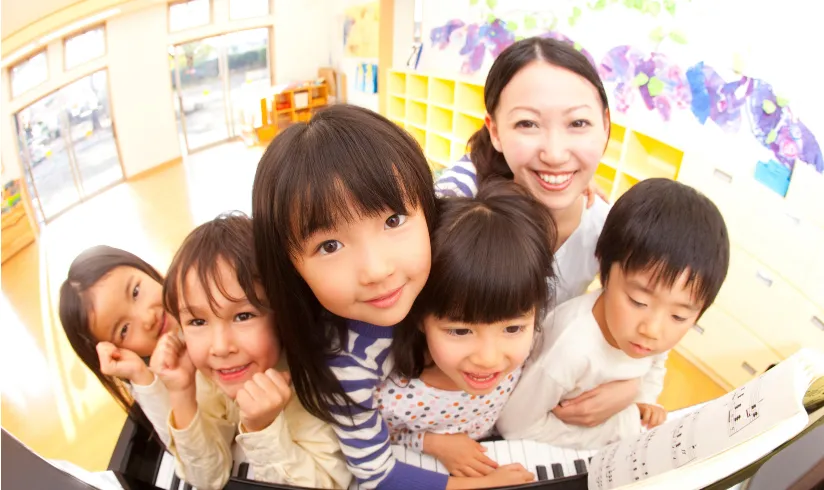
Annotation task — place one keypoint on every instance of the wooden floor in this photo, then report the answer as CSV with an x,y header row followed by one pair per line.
x,y
50,401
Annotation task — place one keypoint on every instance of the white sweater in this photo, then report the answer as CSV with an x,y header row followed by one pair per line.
x,y
573,357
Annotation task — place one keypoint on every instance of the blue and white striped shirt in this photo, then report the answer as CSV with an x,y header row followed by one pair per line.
x,y
364,437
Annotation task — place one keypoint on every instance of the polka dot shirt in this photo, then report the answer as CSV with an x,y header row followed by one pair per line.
x,y
412,408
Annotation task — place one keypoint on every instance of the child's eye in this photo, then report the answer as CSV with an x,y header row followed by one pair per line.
x,y
329,247
123,331
395,221
580,123
196,322
514,329
636,303
459,332
679,319
242,317
525,124
136,291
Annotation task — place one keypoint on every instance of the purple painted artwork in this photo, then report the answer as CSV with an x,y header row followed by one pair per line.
x,y
660,83
774,126
440,35
480,38
716,99
560,37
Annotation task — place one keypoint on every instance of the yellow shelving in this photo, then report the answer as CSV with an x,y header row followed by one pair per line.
x,y
397,82
397,107
466,126
442,91
416,113
615,145
647,157
459,149
605,178
624,183
469,99
417,87
418,134
440,120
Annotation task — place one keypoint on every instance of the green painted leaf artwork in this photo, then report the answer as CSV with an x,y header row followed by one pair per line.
x,y
640,80
655,87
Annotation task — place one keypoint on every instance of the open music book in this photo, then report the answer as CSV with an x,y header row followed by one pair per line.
x,y
722,436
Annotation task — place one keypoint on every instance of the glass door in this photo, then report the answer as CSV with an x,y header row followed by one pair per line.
x,y
199,70
249,77
92,133
214,78
67,145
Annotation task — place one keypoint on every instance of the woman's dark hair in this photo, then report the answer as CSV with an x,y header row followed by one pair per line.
x,y
85,271
489,162
666,227
227,237
491,260
306,181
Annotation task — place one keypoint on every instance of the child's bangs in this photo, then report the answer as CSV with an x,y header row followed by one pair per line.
x,y
486,275
665,273
345,173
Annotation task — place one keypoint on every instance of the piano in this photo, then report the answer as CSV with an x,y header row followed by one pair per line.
x,y
555,468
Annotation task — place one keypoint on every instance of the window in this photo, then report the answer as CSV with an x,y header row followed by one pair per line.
x,y
29,73
243,9
84,47
188,14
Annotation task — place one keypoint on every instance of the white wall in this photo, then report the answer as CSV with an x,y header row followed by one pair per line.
x,y
345,64
141,95
302,39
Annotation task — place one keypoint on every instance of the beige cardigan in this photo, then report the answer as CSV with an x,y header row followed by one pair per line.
x,y
296,449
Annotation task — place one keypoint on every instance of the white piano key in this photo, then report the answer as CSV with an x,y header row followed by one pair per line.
x,y
502,452
569,462
516,452
558,457
532,457
413,457
399,452
429,463
165,472
545,457
490,450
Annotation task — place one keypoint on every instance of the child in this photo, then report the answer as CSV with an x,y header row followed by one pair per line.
x,y
547,128
213,289
342,208
111,308
664,253
459,355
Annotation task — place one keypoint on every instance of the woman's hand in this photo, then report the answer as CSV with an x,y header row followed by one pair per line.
x,y
597,405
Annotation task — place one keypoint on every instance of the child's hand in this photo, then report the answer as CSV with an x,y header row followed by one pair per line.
x,y
510,474
123,363
652,415
593,192
597,405
461,455
262,398
171,363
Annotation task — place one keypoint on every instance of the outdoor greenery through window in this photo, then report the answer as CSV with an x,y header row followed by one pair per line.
x,y
85,47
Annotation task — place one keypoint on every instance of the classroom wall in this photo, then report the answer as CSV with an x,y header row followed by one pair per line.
x,y
142,103
344,63
766,47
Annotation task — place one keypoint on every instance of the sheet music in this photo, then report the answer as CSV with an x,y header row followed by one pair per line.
x,y
718,425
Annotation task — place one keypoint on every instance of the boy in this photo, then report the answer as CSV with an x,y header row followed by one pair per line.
x,y
663,253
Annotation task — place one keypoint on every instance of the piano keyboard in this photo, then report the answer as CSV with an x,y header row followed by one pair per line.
x,y
544,461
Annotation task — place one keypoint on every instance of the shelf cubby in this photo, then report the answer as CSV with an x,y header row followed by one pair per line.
x,y
416,113
466,126
397,107
442,91
417,87
647,157
397,82
440,120
469,99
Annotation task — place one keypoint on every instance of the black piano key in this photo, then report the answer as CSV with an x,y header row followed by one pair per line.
x,y
187,487
580,466
243,470
542,474
557,470
175,482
